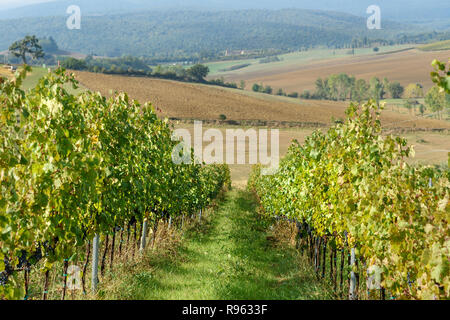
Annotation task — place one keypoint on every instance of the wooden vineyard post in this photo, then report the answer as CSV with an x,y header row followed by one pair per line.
x,y
324,258
319,256
121,241
134,244
102,267
66,266
112,250
352,294
144,235
95,251
331,263
335,272
83,279
316,255
298,237
341,280
46,285
26,281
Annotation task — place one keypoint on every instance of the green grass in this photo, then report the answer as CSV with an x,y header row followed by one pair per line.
x,y
32,78
37,73
441,45
295,58
226,257
216,67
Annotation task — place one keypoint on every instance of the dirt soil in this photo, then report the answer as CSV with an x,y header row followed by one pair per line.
x,y
195,101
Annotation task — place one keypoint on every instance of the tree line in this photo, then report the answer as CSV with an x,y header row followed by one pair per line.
x,y
32,48
336,87
132,66
342,87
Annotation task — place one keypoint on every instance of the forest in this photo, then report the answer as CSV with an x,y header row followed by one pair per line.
x,y
166,36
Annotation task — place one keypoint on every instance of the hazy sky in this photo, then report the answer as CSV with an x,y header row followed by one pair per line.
x,y
396,9
5,4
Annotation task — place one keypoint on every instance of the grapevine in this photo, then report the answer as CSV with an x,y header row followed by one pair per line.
x,y
354,185
75,166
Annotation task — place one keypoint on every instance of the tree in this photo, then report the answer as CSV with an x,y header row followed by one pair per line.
x,y
49,45
386,84
414,91
242,85
29,45
447,102
178,70
345,84
322,88
436,100
376,89
74,64
422,109
395,89
441,75
268,89
333,83
306,95
198,72
360,90
280,92
256,87
409,104
350,85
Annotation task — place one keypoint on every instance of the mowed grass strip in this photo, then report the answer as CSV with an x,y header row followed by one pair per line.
x,y
229,256
436,46
33,78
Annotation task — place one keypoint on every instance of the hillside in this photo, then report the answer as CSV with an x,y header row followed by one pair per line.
x,y
194,101
440,45
181,34
209,151
296,118
411,66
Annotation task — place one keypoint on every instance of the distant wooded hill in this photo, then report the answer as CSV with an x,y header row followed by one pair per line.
x,y
187,34
410,11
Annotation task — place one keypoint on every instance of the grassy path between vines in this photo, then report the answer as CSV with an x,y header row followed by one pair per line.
x,y
226,257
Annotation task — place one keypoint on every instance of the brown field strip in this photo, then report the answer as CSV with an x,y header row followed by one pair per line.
x,y
412,66
5,73
430,147
193,101
202,102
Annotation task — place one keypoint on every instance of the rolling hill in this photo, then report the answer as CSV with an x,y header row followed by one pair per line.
x,y
411,66
436,46
296,119
400,10
199,33
203,102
